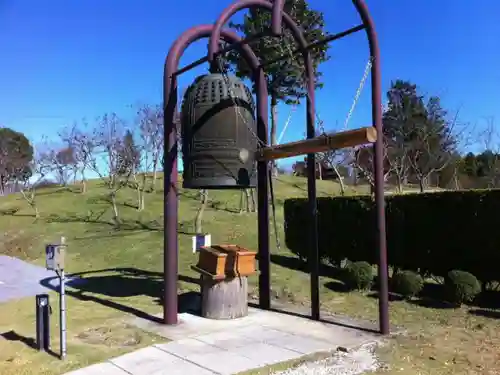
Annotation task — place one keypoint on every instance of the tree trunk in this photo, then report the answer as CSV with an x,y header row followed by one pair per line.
x,y
242,193
155,167
422,183
274,125
30,199
224,299
455,180
139,198
320,171
247,198
340,178
199,215
116,214
140,187
252,195
355,176
84,182
399,183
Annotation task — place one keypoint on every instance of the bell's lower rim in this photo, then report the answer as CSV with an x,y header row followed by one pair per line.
x,y
219,183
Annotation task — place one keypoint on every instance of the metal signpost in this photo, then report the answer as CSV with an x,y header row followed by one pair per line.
x,y
54,261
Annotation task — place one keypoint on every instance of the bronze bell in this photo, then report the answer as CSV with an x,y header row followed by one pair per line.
x,y
219,134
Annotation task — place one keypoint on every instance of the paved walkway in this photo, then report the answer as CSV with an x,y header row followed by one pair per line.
x,y
206,347
19,279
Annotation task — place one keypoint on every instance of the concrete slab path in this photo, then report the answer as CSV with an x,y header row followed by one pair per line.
x,y
202,346
20,279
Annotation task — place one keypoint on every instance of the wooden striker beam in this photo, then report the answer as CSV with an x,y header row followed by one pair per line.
x,y
322,143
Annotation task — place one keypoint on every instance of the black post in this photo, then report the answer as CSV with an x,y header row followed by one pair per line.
x,y
42,322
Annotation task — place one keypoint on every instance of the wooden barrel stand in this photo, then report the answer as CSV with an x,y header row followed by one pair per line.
x,y
224,299
224,271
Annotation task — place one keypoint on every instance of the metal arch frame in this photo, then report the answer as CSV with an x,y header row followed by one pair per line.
x,y
215,33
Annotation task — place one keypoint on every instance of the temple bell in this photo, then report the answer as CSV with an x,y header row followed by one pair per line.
x,y
219,134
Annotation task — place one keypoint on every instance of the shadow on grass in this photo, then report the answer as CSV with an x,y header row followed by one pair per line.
x,y
124,227
101,286
297,264
295,185
106,200
28,341
488,299
392,296
97,218
214,204
50,190
431,296
492,314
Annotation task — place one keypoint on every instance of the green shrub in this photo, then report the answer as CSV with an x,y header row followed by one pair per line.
x,y
431,233
407,283
358,275
461,287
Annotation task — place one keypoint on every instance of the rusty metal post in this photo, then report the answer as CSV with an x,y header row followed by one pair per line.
x,y
170,275
383,275
378,163
170,207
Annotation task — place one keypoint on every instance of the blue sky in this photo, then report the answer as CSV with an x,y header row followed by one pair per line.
x,y
64,60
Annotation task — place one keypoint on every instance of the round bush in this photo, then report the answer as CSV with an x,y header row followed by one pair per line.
x,y
358,275
407,283
461,287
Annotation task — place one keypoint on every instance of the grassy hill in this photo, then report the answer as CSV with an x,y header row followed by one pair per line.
x,y
123,265
124,268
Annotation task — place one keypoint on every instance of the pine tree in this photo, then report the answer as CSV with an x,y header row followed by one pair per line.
x,y
285,79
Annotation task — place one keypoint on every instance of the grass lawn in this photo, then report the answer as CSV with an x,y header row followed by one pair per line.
x,y
125,281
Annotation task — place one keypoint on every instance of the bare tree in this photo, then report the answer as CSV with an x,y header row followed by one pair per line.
x,y
140,162
62,162
106,144
433,144
333,159
247,200
39,168
398,157
150,123
362,161
79,139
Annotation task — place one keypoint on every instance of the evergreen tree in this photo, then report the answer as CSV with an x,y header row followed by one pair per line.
x,y
285,82
417,133
16,155
128,158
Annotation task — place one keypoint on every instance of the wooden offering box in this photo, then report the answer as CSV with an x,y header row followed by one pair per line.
x,y
211,262
219,261
240,261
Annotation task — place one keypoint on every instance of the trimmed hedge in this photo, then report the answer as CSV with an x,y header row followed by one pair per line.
x,y
358,276
431,233
461,287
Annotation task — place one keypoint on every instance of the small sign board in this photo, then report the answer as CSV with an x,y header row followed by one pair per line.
x,y
54,257
200,240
